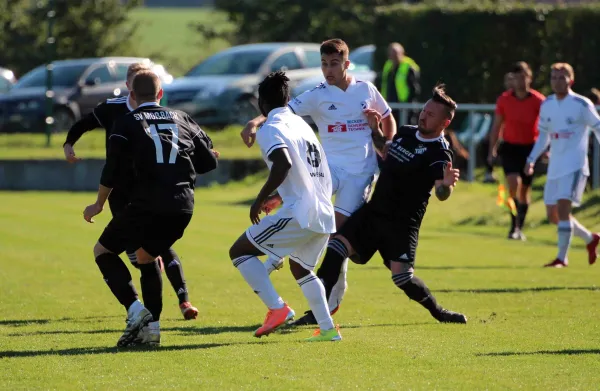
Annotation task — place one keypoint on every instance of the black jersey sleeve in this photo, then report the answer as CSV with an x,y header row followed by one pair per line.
x,y
85,124
439,162
116,158
203,158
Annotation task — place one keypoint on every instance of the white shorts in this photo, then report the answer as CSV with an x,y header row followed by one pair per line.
x,y
567,187
351,191
280,235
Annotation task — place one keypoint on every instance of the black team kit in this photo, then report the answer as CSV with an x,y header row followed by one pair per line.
x,y
104,116
390,221
167,149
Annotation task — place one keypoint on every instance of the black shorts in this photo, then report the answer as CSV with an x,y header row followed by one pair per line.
x,y
118,200
135,228
369,232
514,157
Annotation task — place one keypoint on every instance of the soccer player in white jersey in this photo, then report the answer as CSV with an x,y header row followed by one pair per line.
x,y
301,228
338,108
565,121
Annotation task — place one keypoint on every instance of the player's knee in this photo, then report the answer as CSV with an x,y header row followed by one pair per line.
x,y
298,271
143,257
402,272
99,249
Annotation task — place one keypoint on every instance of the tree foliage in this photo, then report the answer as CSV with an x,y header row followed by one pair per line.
x,y
84,28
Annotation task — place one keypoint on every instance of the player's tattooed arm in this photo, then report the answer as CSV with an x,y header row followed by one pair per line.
x,y
379,140
445,186
443,192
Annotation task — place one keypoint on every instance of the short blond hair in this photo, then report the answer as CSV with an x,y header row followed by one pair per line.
x,y
136,68
563,66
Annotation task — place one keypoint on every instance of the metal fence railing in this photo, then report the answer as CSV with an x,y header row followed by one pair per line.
x,y
475,127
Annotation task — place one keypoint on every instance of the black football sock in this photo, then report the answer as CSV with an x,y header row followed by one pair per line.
x,y
416,290
174,272
151,282
117,277
514,218
329,272
522,213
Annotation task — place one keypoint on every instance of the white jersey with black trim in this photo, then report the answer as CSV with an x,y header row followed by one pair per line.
x,y
343,128
565,125
307,188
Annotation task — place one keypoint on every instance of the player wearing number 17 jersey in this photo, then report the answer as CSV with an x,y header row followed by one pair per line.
x,y
565,121
167,149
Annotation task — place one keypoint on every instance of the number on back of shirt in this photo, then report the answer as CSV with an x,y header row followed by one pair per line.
x,y
313,156
174,130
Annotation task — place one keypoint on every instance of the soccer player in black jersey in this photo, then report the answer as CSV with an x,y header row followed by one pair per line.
x,y
167,149
417,160
103,116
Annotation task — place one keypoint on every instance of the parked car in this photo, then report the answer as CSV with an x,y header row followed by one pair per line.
x,y
223,88
7,80
78,86
361,67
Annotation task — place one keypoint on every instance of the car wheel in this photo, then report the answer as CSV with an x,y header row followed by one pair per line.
x,y
244,110
63,120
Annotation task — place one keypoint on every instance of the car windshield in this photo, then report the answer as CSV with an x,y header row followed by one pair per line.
x,y
62,76
364,58
231,63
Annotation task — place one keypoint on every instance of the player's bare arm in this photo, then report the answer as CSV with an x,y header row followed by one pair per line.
x,y
96,208
444,187
374,121
389,126
494,136
279,171
539,147
248,134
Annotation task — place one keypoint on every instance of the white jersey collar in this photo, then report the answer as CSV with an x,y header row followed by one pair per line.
x,y
428,140
278,110
149,104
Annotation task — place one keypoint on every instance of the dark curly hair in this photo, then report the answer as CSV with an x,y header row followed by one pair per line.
x,y
274,90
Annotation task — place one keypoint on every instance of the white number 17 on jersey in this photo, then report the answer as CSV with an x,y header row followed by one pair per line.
x,y
158,144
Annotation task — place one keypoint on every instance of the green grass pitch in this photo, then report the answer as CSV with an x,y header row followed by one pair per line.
x,y
529,327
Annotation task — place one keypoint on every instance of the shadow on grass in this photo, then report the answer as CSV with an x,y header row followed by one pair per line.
x,y
23,322
566,352
208,330
474,267
521,290
113,350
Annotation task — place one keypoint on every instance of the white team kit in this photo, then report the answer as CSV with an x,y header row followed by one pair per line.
x,y
346,136
565,125
301,227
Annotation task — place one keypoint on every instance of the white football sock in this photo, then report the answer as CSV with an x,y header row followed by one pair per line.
x,y
154,326
339,289
314,291
580,231
565,232
256,276
134,309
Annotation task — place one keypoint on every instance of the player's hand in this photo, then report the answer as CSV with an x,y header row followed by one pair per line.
x,y
451,176
492,157
255,210
70,154
373,119
386,148
91,211
248,134
528,169
271,203
216,153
